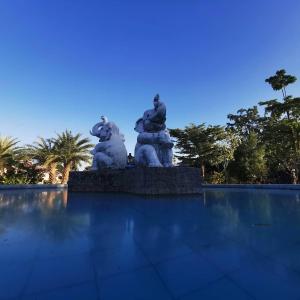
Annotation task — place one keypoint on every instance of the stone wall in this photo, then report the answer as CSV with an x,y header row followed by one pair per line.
x,y
148,181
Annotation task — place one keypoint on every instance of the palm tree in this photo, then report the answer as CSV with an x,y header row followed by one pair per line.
x,y
72,151
7,150
45,152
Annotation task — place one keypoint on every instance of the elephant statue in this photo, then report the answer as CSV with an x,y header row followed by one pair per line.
x,y
154,145
110,152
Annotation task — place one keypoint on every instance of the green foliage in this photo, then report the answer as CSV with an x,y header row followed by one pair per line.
x,y
216,177
252,148
280,81
45,153
281,133
204,146
31,163
21,172
8,150
15,179
282,141
72,151
289,108
249,163
245,121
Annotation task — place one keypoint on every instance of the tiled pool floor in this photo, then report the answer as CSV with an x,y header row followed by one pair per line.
x,y
226,244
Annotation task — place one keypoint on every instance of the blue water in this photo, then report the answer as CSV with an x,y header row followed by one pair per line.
x,y
226,244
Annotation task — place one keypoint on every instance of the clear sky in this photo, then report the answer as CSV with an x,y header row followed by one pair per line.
x,y
64,63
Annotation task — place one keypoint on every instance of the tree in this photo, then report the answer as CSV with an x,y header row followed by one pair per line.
x,y
22,172
280,81
282,140
72,151
245,121
46,154
290,107
281,136
202,146
249,164
282,129
226,150
7,150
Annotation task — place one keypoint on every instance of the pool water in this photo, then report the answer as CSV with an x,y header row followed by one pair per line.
x,y
224,244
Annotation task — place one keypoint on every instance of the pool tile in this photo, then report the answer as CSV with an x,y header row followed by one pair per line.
x,y
165,250
266,241
183,237
115,261
111,240
52,273
149,233
230,255
10,252
13,278
187,273
220,289
18,233
267,281
78,292
290,257
56,248
160,246
141,284
202,238
114,219
28,297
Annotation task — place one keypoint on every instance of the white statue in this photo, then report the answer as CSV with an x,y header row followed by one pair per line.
x,y
110,152
154,145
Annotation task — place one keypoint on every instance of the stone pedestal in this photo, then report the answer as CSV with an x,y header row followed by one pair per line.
x,y
147,181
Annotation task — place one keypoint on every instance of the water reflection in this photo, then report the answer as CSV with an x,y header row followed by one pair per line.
x,y
237,214
29,200
40,214
60,236
107,220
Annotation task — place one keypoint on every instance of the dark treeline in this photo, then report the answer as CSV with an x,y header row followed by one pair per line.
x,y
252,148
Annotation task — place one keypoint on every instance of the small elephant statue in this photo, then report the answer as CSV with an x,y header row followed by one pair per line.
x,y
110,152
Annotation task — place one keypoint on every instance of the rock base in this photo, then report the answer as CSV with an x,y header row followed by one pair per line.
x,y
147,181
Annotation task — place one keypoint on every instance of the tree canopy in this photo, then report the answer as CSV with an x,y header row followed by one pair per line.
x,y
254,147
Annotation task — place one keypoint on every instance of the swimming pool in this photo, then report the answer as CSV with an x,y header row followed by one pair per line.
x,y
224,244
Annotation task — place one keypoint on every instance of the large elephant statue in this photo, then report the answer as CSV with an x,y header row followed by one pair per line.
x,y
154,145
110,152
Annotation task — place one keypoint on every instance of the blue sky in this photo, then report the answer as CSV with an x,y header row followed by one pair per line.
x,y
63,64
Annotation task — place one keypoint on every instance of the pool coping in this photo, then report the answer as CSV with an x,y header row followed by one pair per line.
x,y
254,186
32,186
206,185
